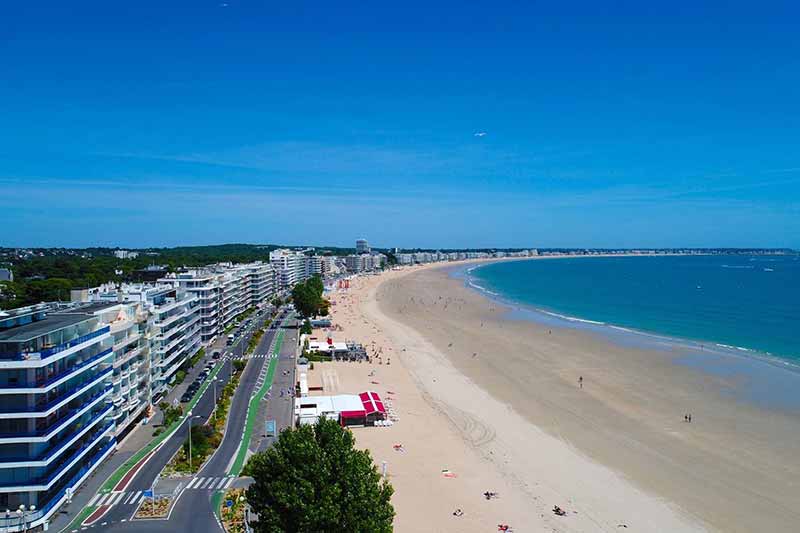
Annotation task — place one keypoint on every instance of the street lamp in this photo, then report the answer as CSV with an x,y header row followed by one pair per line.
x,y
190,418
215,381
21,512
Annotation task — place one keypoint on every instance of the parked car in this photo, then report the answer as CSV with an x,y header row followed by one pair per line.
x,y
187,397
216,355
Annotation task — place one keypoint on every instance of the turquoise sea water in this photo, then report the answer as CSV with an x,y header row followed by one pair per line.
x,y
739,302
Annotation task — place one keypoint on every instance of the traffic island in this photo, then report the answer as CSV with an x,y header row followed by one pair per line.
x,y
158,509
232,511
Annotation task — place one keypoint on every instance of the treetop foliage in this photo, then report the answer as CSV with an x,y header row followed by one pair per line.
x,y
313,479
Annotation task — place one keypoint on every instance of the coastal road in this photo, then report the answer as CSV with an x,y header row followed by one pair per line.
x,y
193,511
190,509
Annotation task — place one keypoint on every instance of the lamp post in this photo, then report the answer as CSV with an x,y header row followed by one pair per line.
x,y
216,380
246,524
21,512
190,418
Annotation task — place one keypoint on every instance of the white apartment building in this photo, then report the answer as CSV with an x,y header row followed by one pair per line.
x,y
260,279
174,326
130,378
290,266
206,286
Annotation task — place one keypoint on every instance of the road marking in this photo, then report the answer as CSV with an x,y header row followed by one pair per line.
x,y
91,502
119,497
103,499
228,483
221,482
189,485
200,481
207,482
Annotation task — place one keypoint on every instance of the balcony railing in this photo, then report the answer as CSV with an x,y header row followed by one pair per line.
x,y
13,521
59,447
45,406
71,371
48,352
59,424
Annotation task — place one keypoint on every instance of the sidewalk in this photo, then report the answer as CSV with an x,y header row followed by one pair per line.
x,y
277,407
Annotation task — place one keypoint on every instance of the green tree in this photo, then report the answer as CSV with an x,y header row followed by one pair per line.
x,y
313,479
307,296
306,327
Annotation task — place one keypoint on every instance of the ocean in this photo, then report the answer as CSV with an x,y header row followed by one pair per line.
x,y
748,304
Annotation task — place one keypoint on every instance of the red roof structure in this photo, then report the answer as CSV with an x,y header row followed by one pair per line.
x,y
372,403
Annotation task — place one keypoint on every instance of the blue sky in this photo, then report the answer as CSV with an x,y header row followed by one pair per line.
x,y
621,124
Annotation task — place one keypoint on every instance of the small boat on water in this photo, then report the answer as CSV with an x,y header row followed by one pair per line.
x,y
769,270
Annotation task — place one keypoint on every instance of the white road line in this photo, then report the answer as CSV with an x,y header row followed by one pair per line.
x,y
119,498
221,482
206,482
91,502
136,496
200,481
128,497
228,483
140,499
103,498
189,485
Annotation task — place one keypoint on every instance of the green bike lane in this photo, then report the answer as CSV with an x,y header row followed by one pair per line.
x,y
252,415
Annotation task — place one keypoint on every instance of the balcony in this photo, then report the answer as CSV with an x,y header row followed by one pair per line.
x,y
56,426
41,386
188,332
45,482
37,359
59,448
43,409
126,341
52,504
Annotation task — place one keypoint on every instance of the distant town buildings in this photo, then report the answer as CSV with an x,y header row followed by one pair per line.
x,y
125,254
6,274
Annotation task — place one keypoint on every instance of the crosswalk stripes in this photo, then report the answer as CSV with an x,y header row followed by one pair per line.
x,y
135,497
257,356
210,483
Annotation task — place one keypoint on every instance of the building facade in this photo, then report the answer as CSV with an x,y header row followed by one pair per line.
x,y
291,266
56,421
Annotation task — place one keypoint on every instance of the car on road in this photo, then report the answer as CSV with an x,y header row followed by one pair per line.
x,y
216,355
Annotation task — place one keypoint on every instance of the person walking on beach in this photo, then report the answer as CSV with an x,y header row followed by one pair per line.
x,y
580,381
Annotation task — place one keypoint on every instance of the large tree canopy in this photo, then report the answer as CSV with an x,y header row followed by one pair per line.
x,y
313,479
307,297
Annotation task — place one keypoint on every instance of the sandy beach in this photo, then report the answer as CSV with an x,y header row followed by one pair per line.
x,y
496,405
